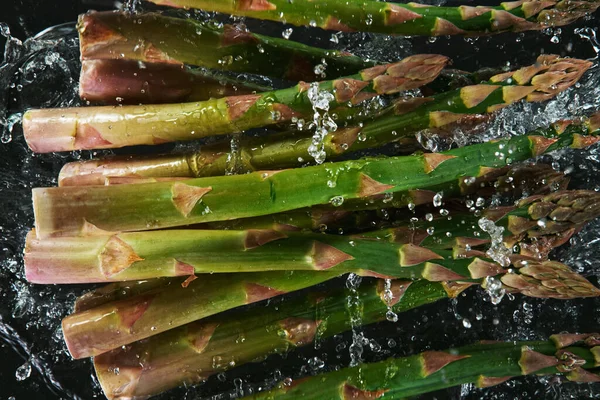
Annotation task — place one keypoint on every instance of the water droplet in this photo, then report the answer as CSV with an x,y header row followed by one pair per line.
x,y
337,201
437,200
287,33
23,372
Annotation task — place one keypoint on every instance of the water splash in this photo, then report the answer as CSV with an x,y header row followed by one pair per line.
x,y
354,307
497,250
322,122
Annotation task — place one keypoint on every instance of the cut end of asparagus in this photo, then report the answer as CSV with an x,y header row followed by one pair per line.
x,y
45,131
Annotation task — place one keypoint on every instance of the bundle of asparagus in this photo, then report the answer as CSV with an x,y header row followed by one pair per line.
x,y
249,237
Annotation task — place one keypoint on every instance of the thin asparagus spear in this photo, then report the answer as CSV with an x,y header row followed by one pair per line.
x,y
156,38
153,365
402,19
534,83
484,364
68,129
130,82
81,210
111,325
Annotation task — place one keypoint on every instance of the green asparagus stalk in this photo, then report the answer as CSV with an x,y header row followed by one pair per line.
x,y
68,129
153,37
402,19
484,364
515,181
114,324
163,253
81,210
534,83
130,82
162,307
155,364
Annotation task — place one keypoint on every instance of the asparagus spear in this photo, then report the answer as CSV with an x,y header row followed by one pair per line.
x,y
156,38
151,254
533,83
402,19
114,324
81,210
484,364
159,308
517,182
128,82
155,364
108,127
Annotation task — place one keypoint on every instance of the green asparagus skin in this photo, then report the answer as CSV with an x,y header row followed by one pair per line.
x,y
516,182
484,364
108,325
151,37
81,210
68,129
534,83
163,253
156,364
114,324
128,82
402,19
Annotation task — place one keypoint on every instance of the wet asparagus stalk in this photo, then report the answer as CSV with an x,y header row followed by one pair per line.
x,y
81,210
113,324
403,19
130,82
516,181
533,83
68,129
163,253
152,365
484,364
153,37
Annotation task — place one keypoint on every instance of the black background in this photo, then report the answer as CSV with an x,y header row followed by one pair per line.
x,y
435,326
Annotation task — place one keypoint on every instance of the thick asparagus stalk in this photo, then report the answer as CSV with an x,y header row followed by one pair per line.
x,y
128,82
109,127
403,19
146,255
114,324
156,38
533,83
484,364
80,210
155,309
155,364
